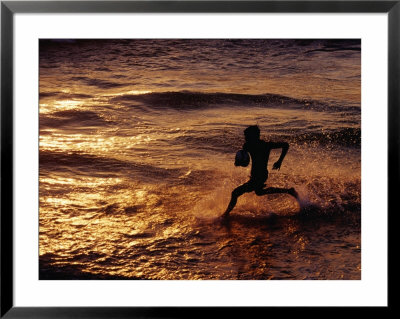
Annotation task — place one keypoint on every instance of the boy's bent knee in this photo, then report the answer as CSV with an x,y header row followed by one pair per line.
x,y
236,193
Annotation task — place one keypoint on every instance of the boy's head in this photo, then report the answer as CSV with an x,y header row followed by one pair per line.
x,y
252,133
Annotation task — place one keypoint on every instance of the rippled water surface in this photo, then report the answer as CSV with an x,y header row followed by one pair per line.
x,y
137,144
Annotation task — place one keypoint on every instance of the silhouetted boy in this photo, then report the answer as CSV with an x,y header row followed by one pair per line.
x,y
259,151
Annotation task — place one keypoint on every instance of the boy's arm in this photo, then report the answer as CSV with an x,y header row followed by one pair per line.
x,y
284,146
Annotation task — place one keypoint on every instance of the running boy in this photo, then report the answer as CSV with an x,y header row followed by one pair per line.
x,y
259,151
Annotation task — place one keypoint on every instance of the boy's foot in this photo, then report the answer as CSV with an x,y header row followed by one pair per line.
x,y
224,216
224,219
293,192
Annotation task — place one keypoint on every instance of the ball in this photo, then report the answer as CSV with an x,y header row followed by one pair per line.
x,y
242,158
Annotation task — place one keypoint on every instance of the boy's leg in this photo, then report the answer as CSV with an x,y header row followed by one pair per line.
x,y
276,190
238,191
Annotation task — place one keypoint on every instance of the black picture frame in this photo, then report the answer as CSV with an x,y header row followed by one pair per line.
x,y
9,8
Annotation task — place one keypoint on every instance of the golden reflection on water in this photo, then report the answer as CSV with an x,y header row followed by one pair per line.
x,y
92,143
59,105
96,213
130,92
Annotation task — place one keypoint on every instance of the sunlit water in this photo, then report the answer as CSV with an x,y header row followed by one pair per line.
x,y
137,143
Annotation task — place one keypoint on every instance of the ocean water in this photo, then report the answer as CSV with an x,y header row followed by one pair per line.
x,y
136,151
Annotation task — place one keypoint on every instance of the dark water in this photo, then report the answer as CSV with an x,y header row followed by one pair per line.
x,y
137,143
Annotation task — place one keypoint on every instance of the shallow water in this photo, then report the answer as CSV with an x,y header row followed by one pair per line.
x,y
137,142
